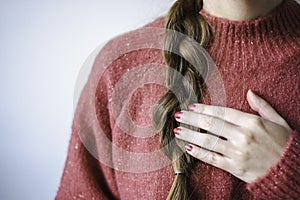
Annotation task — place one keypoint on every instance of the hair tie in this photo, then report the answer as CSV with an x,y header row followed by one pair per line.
x,y
179,173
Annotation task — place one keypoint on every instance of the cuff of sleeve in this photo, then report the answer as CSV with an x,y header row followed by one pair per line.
x,y
283,179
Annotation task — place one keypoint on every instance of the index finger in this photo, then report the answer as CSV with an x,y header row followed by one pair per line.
x,y
209,123
231,115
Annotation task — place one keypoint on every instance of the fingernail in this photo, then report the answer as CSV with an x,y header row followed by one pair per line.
x,y
177,131
189,147
192,107
178,115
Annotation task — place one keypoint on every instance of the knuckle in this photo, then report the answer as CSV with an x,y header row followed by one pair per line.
x,y
223,128
244,156
199,108
213,158
206,124
238,154
207,141
190,134
240,171
246,138
201,154
214,142
219,111
218,127
256,122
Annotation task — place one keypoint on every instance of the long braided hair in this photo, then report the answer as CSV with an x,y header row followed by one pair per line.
x,y
184,80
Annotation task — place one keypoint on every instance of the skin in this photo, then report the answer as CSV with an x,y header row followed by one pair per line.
x,y
238,10
249,144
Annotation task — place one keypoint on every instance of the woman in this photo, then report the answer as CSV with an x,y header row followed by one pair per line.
x,y
236,144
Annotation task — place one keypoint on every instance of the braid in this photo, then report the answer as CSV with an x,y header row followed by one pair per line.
x,y
184,81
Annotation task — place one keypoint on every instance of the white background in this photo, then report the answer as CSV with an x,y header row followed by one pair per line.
x,y
42,47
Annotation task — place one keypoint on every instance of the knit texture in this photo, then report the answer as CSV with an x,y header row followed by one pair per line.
x,y
114,152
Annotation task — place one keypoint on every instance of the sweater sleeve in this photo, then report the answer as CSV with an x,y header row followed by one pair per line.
x,y
83,176
88,172
283,179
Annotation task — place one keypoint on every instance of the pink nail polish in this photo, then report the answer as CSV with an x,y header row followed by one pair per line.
x,y
192,107
189,147
178,115
177,131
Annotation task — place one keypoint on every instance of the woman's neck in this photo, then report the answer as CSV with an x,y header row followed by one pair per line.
x,y
239,10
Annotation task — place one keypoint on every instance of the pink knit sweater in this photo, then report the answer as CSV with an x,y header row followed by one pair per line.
x,y
114,151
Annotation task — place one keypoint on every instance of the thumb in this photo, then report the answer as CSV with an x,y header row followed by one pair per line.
x,y
265,110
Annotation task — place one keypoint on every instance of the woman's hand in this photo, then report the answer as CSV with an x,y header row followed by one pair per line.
x,y
242,144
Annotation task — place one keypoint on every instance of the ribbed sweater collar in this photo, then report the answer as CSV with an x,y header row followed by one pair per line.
x,y
284,16
279,29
